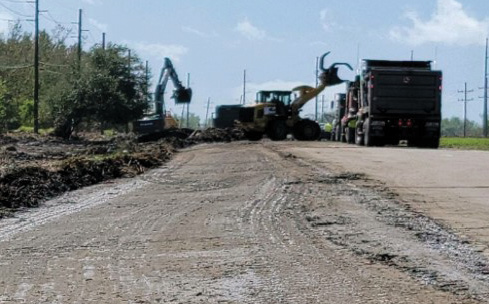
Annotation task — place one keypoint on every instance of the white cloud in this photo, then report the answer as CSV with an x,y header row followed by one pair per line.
x,y
194,31
449,24
101,26
326,21
172,51
93,2
250,31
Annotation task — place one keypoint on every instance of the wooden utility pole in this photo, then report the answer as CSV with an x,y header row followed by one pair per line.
x,y
36,70
79,39
322,108
207,112
188,104
244,87
484,114
465,100
317,82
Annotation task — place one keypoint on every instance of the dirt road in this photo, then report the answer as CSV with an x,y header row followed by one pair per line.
x,y
237,223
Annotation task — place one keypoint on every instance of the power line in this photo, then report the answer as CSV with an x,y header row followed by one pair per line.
x,y
15,11
465,100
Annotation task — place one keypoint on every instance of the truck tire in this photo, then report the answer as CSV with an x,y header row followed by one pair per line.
x,y
337,133
367,139
253,135
359,138
277,130
432,143
350,135
343,134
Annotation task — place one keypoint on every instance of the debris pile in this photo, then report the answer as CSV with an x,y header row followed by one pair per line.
x,y
217,135
35,169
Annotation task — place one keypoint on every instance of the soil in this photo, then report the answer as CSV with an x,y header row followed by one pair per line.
x,y
238,222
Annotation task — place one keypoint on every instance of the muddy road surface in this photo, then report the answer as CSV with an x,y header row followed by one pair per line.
x,y
238,223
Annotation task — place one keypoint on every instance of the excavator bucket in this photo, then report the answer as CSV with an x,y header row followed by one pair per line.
x,y
182,95
329,76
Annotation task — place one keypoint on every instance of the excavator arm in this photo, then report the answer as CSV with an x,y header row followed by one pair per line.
x,y
180,93
328,77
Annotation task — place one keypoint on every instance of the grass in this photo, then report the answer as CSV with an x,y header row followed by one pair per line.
x,y
465,143
26,129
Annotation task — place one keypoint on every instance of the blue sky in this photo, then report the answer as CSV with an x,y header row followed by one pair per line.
x,y
277,42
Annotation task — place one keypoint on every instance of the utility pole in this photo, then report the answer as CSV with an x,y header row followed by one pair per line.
x,y
188,104
412,55
484,115
465,100
244,86
103,41
79,38
317,79
322,108
36,70
207,111
146,71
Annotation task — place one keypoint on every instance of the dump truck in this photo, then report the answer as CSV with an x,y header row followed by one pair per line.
x,y
395,100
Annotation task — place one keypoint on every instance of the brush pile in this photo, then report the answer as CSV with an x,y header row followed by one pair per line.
x,y
36,168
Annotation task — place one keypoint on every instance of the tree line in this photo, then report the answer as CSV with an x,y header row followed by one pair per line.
x,y
106,87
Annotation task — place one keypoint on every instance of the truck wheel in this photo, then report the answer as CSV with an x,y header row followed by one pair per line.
x,y
350,135
432,143
337,133
367,139
253,135
358,138
277,130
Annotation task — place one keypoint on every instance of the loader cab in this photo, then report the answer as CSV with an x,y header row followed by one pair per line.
x,y
277,97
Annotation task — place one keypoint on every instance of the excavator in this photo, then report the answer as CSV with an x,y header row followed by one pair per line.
x,y
160,118
276,113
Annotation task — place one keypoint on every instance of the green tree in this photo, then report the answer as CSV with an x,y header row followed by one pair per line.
x,y
109,90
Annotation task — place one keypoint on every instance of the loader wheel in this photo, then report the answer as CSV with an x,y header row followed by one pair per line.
x,y
297,131
307,130
277,130
253,135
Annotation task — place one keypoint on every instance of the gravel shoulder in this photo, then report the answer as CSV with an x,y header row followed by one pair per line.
x,y
236,223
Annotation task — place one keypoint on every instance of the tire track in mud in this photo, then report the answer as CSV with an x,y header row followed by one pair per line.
x,y
221,224
369,222
276,216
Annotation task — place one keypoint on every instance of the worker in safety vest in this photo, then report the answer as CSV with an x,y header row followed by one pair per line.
x,y
328,127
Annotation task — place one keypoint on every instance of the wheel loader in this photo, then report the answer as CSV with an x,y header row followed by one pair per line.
x,y
276,113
